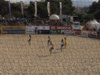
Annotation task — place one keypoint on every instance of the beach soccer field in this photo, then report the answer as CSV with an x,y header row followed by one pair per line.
x,y
17,57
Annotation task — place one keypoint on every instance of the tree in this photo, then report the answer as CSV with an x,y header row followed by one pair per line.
x,y
97,14
30,9
3,7
95,9
42,10
16,9
54,7
85,17
88,17
68,9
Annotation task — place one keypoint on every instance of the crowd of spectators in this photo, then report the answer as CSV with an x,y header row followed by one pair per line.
x,y
14,22
26,22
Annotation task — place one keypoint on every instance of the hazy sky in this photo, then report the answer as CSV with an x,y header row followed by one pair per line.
x,y
83,2
75,2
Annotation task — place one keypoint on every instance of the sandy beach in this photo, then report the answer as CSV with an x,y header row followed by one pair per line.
x,y
17,57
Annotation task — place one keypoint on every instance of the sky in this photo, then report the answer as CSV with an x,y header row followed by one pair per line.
x,y
76,3
83,3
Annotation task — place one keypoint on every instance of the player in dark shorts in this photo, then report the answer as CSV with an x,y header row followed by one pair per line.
x,y
62,44
51,48
49,40
29,39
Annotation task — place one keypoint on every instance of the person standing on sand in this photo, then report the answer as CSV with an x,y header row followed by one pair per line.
x,y
51,48
29,39
66,42
62,44
49,40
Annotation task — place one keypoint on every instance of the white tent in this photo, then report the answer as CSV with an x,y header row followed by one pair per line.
x,y
54,17
94,25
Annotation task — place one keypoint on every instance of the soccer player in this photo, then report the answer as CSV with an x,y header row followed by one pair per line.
x,y
29,39
51,48
62,44
49,40
65,42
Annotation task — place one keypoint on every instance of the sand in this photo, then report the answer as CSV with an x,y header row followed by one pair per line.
x,y
17,57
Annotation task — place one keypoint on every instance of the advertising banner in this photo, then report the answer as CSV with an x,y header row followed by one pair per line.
x,y
35,4
9,8
77,32
69,32
30,29
43,27
13,29
92,34
48,8
33,29
22,8
60,28
64,28
60,3
55,31
76,26
52,27
84,33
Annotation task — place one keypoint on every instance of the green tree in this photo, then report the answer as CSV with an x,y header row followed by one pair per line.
x,y
42,10
88,17
16,9
85,17
3,7
68,9
95,9
97,14
30,10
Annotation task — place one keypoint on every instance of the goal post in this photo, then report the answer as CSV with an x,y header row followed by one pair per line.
x,y
13,29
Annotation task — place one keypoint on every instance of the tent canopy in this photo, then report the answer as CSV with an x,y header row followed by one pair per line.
x,y
54,17
94,25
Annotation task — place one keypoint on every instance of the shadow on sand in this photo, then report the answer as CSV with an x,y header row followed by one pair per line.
x,y
43,56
